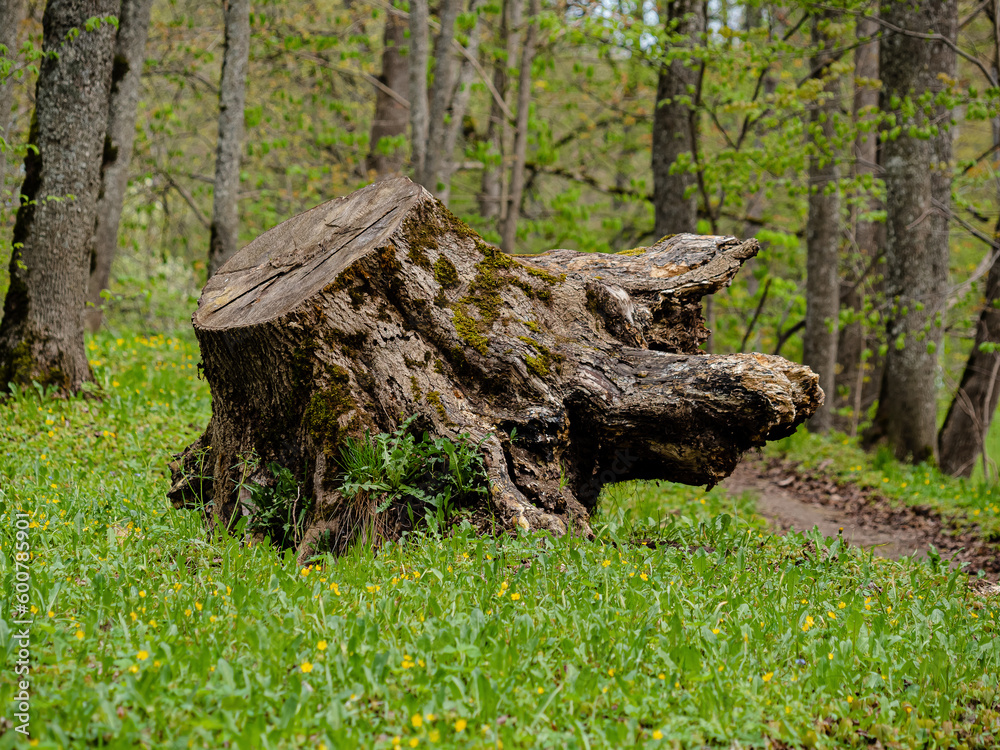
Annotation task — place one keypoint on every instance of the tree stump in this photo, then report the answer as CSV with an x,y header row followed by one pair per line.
x,y
371,308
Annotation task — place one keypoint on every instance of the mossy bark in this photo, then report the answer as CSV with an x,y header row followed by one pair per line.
x,y
382,305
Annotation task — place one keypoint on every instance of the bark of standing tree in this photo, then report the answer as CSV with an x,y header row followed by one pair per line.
x,y
419,54
918,184
130,52
963,435
819,345
383,305
508,232
858,376
225,226
675,122
391,116
41,336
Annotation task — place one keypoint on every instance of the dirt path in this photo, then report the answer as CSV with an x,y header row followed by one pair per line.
x,y
791,499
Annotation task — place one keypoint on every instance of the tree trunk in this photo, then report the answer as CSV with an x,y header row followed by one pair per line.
x,y
41,336
963,436
130,53
917,175
460,103
445,72
383,305
419,53
675,123
225,227
490,196
11,19
513,214
391,116
857,375
823,232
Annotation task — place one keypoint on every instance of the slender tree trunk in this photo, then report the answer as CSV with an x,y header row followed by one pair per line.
x,y
445,71
41,336
823,234
130,52
854,370
917,174
491,192
11,18
963,436
509,232
419,53
460,103
391,116
232,100
675,123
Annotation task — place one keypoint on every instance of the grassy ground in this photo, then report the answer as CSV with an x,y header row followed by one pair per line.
x,y
147,633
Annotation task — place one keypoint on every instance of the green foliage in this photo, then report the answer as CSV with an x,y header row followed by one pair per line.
x,y
420,474
278,511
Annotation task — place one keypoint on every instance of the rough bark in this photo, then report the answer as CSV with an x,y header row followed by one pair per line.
x,y
383,305
819,344
130,52
490,198
445,73
419,54
41,336
225,226
391,117
857,376
509,227
917,176
675,123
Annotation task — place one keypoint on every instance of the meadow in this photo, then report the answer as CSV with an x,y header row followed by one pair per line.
x,y
148,632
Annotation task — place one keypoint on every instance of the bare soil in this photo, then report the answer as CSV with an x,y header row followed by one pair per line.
x,y
792,498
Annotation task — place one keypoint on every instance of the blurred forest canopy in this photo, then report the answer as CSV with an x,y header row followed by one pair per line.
x,y
555,102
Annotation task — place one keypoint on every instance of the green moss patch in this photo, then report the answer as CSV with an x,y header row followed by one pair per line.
x,y
468,329
445,272
326,407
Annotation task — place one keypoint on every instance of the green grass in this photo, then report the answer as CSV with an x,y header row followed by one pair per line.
x,y
148,633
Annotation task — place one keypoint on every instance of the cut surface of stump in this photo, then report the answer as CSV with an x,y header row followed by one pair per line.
x,y
381,305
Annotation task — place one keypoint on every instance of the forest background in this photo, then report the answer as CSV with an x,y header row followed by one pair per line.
x,y
600,127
